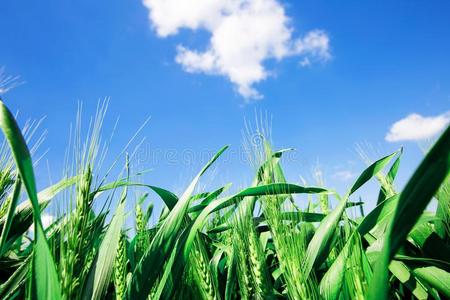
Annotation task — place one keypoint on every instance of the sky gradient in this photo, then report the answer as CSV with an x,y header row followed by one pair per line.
x,y
388,60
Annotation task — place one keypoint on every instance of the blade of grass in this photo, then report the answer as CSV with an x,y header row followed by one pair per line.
x,y
152,262
262,190
324,233
10,215
16,280
102,267
436,278
45,284
390,178
416,195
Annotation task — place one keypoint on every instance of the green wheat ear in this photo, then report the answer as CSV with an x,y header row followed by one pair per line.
x,y
120,268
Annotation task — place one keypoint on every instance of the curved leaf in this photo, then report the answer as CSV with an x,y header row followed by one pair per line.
x,y
45,284
416,195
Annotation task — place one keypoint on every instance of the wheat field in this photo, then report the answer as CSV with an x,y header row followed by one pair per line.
x,y
256,243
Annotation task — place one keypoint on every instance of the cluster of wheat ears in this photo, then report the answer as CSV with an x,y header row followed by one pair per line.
x,y
252,244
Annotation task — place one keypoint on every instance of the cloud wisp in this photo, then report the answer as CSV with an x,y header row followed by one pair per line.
x,y
243,35
416,127
344,175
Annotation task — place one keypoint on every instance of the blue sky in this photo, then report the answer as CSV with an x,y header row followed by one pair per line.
x,y
387,60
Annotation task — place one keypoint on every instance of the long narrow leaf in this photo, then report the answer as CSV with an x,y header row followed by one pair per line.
x,y
45,284
327,227
102,267
151,263
416,195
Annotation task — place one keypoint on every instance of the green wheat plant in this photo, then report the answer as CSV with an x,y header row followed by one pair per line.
x,y
275,239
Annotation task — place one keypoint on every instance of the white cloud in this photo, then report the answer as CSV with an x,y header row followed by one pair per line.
x,y
316,42
244,34
343,175
416,127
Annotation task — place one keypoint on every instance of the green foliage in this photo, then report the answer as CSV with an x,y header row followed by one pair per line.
x,y
414,198
45,285
271,240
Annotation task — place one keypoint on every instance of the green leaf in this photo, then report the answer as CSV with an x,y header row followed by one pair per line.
x,y
175,266
416,195
45,284
389,179
16,281
168,197
10,215
371,171
102,267
324,233
331,283
404,275
436,278
152,262
297,216
23,216
231,275
209,197
375,223
262,190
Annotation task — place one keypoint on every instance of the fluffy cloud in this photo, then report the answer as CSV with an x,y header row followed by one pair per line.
x,y
243,34
416,127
